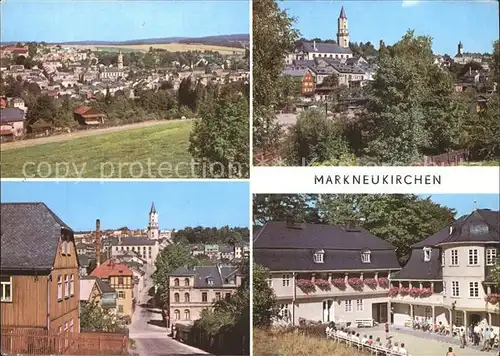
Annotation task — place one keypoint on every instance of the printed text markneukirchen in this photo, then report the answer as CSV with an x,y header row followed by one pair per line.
x,y
378,179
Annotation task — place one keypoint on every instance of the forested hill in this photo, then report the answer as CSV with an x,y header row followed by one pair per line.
x,y
212,235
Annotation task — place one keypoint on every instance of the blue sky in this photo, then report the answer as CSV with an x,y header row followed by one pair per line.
x,y
117,204
464,203
475,23
64,21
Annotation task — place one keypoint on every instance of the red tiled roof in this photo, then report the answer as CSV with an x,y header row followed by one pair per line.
x,y
82,110
109,268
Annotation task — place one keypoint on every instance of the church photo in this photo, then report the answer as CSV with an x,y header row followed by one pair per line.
x,y
375,83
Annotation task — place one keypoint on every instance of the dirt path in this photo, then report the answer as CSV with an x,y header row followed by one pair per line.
x,y
79,134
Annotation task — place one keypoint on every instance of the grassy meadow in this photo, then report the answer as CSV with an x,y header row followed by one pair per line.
x,y
172,47
158,152
267,343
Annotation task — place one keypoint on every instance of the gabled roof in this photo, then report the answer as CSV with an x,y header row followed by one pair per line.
x,y
82,110
11,115
30,234
311,47
109,268
418,269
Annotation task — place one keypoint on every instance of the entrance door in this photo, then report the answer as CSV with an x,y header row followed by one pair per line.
x,y
328,311
383,313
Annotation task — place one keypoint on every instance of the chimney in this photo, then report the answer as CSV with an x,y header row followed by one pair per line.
x,y
98,242
451,230
475,205
314,45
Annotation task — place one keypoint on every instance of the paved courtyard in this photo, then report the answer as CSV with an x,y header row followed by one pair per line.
x,y
423,344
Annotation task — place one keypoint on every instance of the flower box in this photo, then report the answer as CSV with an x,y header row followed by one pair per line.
x,y
355,283
306,285
493,298
370,282
404,291
394,291
339,283
322,284
383,282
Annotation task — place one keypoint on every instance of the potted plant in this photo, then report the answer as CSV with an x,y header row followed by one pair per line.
x,y
383,282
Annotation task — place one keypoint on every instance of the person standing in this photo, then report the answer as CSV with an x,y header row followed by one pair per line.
x,y
450,352
386,330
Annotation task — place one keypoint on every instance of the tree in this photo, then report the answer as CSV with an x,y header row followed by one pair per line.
x,y
43,110
401,220
315,138
94,318
169,259
299,207
411,107
331,81
219,140
273,39
264,307
495,62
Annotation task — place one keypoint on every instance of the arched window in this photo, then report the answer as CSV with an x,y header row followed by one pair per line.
x,y
186,297
176,298
187,315
176,282
177,315
186,282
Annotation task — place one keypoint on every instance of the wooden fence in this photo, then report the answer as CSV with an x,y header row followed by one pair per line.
x,y
451,158
33,341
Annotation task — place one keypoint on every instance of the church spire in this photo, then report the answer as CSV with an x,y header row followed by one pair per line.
x,y
153,208
342,14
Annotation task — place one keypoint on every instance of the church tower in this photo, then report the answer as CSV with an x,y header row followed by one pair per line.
x,y
459,49
120,60
343,33
153,230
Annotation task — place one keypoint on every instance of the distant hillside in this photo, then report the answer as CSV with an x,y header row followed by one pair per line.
x,y
237,40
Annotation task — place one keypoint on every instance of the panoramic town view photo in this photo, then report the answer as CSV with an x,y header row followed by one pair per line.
x,y
375,83
160,270
350,275
157,90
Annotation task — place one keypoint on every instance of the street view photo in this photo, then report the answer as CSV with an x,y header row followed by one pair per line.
x,y
353,275
160,270
364,83
125,89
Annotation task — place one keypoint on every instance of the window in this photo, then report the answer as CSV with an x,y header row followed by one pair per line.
x,y
228,296
63,248
120,281
454,257
359,304
121,294
443,259
366,256
120,309
473,289
66,286
6,283
72,285
318,256
444,288
458,318
204,297
269,282
177,314
187,315
348,305
71,325
176,298
59,288
68,248
284,311
491,256
217,296
186,282
455,289
427,254
65,326
286,280
473,257
176,282
186,297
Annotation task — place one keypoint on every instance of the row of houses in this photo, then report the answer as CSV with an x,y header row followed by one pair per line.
x,y
332,273
222,252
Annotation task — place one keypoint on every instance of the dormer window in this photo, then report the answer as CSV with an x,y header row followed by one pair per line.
x,y
318,256
210,281
366,256
427,254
